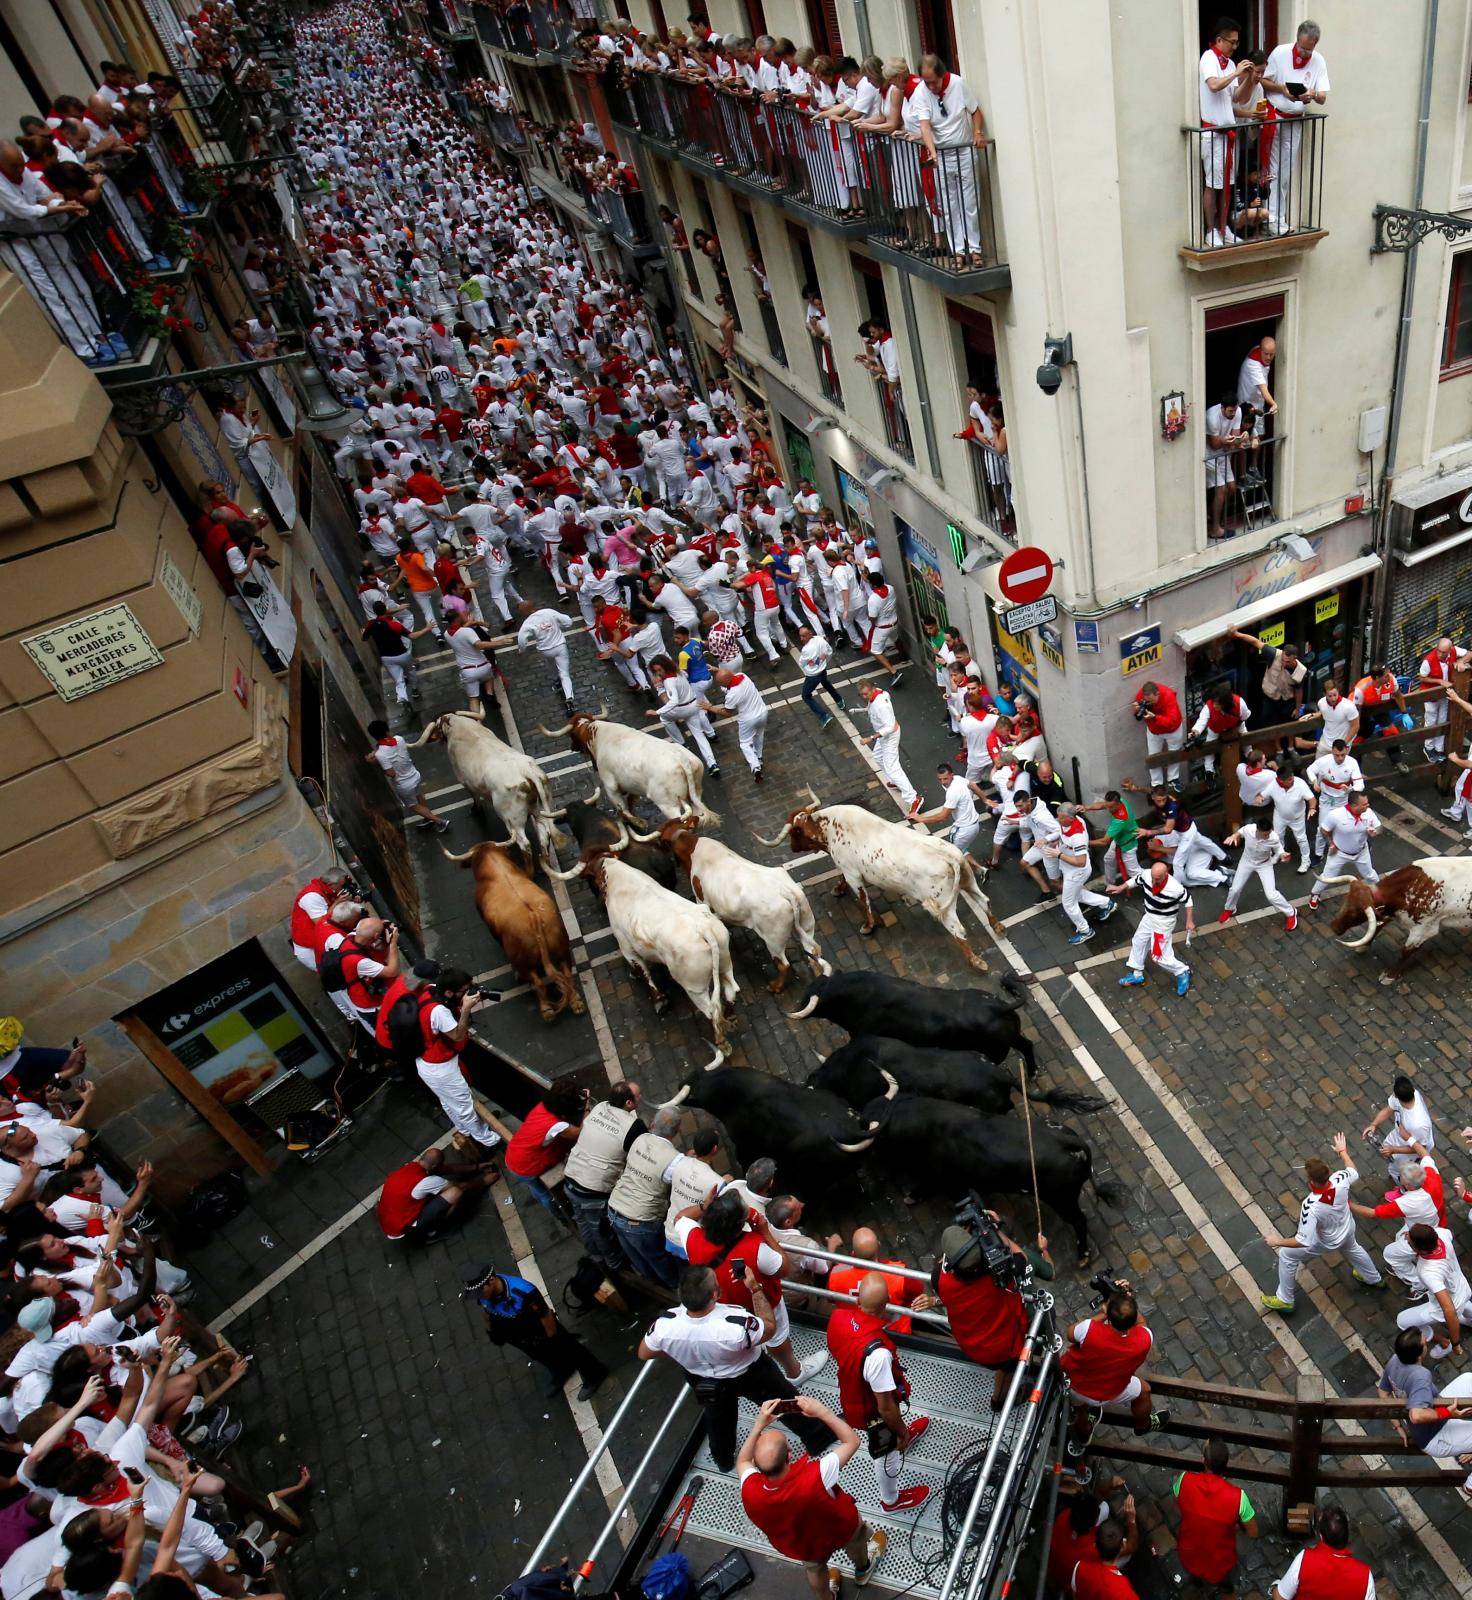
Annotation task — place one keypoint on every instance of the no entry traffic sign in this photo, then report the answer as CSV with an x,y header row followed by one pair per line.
x,y
1025,575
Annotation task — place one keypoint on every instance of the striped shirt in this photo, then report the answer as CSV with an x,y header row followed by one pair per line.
x,y
1163,904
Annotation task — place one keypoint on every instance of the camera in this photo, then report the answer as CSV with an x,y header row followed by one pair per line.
x,y
988,1250
1050,379
1105,1285
1140,712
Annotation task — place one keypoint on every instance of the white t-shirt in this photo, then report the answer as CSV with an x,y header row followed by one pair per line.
x,y
1217,107
1445,1273
1336,778
1314,76
1253,786
1289,805
1350,835
881,715
815,656
1254,372
949,112
1412,1122
745,699
543,628
393,756
721,1343
975,732
1338,718
1325,1223
1261,849
961,804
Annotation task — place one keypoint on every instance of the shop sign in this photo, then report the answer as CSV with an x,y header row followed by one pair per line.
x,y
181,592
93,652
1140,649
1326,606
1275,570
1274,634
854,495
1050,642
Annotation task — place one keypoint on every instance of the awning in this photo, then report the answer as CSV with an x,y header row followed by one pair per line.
x,y
1271,605
1414,558
1429,490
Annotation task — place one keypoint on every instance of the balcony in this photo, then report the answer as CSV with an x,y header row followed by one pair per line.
x,y
91,279
896,424
1242,488
505,131
827,369
771,329
934,221
991,479
1270,174
621,210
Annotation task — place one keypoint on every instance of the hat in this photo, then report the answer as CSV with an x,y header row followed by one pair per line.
x,y
472,1277
427,969
954,1242
12,1031
35,1318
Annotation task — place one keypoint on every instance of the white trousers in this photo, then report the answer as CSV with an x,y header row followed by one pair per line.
x,y
428,601
752,734
1194,858
1156,947
1264,876
1299,831
447,1084
675,720
557,655
1076,895
1428,1314
768,622
1436,715
1282,158
503,590
405,675
1291,1260
958,188
1401,1260
1337,865
887,755
1155,743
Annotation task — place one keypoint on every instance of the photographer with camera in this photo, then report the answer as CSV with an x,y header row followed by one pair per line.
x,y
799,1505
978,1280
444,1021
1102,1363
872,1386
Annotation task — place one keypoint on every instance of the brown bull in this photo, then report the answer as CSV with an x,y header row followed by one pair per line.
x,y
524,921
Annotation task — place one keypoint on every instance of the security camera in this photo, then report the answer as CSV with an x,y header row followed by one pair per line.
x,y
1297,546
1050,379
1057,354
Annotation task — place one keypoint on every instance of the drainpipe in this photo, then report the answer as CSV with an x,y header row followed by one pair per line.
x,y
922,385
861,22
1381,604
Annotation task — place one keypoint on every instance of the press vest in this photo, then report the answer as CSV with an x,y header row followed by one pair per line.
x,y
853,1336
597,1159
641,1193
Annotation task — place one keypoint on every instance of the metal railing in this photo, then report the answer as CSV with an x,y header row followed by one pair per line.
x,y
827,368
1255,180
940,211
81,272
1243,486
772,329
896,424
991,478
505,129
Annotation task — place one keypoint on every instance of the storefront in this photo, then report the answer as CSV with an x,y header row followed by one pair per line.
x,y
925,586
1430,570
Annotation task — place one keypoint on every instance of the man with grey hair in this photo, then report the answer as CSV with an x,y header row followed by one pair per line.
x,y
1071,847
1420,1198
756,1187
1296,76
640,1198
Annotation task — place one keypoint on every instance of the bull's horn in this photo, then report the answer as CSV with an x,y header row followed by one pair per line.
x,y
854,1149
424,737
1369,933
558,814
787,828
602,711
554,733
893,1086
875,1125
813,793
1342,878
679,1098
807,1010
595,797
641,838
466,857
480,710
620,844
565,877
718,1059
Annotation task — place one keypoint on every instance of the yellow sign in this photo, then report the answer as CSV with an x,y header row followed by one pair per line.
x,y
1274,635
93,652
1050,654
1326,606
1141,658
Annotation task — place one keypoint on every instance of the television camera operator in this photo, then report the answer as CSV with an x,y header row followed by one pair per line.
x,y
983,1280
1102,1362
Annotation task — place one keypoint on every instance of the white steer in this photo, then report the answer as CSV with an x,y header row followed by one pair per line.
x,y
512,784
633,764
650,923
745,895
895,858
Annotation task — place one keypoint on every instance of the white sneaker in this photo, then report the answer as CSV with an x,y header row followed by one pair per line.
x,y
1228,237
1303,866
1213,240
812,1366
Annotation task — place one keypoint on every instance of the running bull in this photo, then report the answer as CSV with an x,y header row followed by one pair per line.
x,y
594,829
1425,897
632,764
894,858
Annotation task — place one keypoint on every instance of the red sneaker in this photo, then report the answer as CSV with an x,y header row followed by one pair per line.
x,y
1291,923
917,1426
1227,915
1313,902
915,805
916,1495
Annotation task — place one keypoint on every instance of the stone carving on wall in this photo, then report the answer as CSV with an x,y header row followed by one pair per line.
x,y
143,819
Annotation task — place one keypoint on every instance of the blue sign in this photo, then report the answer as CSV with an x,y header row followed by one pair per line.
x,y
1142,648
1086,638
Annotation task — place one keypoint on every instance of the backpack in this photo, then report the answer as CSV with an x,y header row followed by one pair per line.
x,y
334,979
668,1578
405,1035
581,1290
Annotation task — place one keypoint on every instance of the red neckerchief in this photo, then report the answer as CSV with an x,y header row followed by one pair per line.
x,y
1324,1193
1299,62
1255,353
388,744
911,84
740,677
945,84
1221,60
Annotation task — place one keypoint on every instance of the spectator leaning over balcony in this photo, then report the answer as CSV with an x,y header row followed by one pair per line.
x,y
950,126
1253,380
1225,84
900,116
1296,76
1224,435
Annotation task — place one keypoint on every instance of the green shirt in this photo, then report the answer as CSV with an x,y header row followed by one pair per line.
x,y
1122,831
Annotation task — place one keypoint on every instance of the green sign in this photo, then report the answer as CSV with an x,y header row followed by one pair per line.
x,y
958,544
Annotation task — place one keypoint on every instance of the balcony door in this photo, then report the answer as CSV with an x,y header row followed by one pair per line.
x,y
1258,20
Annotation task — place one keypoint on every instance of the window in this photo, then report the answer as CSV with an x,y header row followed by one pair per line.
x,y
1257,22
869,277
1456,354
657,22
937,29
1242,483
756,19
823,27
987,438
807,267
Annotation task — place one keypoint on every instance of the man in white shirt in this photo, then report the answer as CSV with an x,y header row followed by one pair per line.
x,y
1348,832
843,598
1448,1301
1412,1132
680,709
1262,850
1294,808
545,629
957,811
744,701
1296,76
1254,382
886,742
1341,719
813,657
1224,435
951,127
884,616
1334,776
1224,84
1039,830
1165,898
975,726
1072,848
1437,667
1325,1224
1412,1204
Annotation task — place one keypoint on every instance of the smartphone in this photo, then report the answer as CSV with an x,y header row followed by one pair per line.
x,y
785,1408
738,1270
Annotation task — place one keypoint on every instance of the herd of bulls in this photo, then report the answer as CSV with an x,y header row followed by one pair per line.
x,y
920,1088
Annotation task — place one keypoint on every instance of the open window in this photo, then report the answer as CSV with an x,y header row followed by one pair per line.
x,y
981,419
1243,375
881,355
937,29
815,312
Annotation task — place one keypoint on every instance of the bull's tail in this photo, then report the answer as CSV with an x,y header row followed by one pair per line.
x,y
720,962
807,930
1015,996
1068,1100
534,807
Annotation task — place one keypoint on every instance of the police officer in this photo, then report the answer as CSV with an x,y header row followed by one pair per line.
x,y
517,1314
719,1349
594,1165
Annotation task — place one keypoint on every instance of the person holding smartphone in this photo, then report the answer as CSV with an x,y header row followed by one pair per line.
x,y
1296,78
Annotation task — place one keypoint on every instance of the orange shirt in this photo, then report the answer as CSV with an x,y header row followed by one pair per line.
x,y
845,1280
415,572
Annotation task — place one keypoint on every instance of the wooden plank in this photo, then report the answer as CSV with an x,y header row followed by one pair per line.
x,y
1375,1444
1150,1456
1253,1438
1220,1394
149,1043
1384,1477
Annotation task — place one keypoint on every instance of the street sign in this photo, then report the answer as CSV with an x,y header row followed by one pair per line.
x,y
1025,575
1140,649
1018,619
1086,638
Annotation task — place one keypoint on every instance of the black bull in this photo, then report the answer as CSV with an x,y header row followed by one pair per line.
x,y
921,1014
593,829
930,1146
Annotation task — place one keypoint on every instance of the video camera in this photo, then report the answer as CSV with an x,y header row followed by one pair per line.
x,y
1106,1286
988,1249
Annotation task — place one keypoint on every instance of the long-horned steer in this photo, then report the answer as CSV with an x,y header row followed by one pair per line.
x,y
652,924
525,922
512,784
894,858
745,895
1425,897
632,764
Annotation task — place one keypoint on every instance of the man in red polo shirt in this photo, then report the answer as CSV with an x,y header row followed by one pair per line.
x,y
1098,1577
420,1199
1326,1570
1158,708
1101,1363
798,1505
988,1319
1212,1510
